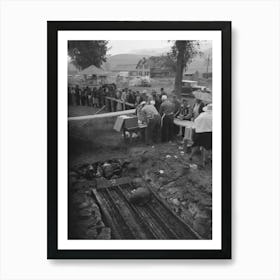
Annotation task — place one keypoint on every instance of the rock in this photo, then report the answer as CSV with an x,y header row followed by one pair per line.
x,y
107,170
193,166
99,172
137,182
193,209
140,196
104,234
175,201
117,169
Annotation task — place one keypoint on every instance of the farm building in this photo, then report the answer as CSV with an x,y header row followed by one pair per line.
x,y
129,69
92,75
155,66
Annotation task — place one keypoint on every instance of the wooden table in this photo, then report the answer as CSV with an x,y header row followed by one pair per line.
x,y
135,129
189,126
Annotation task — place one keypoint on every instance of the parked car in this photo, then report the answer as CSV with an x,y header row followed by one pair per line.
x,y
188,87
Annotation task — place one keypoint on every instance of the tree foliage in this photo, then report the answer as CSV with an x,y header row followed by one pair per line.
x,y
162,61
86,53
180,56
190,49
207,61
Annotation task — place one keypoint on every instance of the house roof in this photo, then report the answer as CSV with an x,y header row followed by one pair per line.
x,y
93,70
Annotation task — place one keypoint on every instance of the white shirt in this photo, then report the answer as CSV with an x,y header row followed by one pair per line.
x,y
203,123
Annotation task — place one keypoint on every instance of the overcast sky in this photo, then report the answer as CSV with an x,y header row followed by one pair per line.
x,y
133,46
126,46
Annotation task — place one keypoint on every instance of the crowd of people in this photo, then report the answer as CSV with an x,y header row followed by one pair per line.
x,y
96,97
156,109
161,126
86,96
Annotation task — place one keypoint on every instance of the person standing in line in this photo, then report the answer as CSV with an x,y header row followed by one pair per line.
x,y
83,94
177,106
114,95
203,133
138,100
185,114
87,95
162,92
152,119
130,98
166,111
123,99
94,98
103,96
73,95
144,95
119,104
197,108
69,96
157,100
99,97
77,95
138,112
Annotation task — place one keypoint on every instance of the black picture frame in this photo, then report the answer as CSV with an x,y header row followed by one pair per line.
x,y
52,59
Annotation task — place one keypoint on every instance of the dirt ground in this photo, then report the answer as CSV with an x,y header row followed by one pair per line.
x,y
166,167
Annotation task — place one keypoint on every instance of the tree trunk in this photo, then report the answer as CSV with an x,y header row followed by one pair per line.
x,y
181,48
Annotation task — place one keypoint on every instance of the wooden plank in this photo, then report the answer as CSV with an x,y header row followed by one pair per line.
x,y
105,115
120,101
107,216
101,109
167,207
128,216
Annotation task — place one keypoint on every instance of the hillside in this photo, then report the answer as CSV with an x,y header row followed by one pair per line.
x,y
198,63
121,59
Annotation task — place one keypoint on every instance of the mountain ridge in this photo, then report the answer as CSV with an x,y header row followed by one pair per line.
x,y
130,60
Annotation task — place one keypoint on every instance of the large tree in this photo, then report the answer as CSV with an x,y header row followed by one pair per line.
x,y
86,53
182,53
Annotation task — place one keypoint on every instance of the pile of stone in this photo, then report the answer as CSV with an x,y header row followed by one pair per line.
x,y
111,169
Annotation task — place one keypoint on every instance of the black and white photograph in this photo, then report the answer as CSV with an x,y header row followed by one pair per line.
x,y
139,135
140,139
